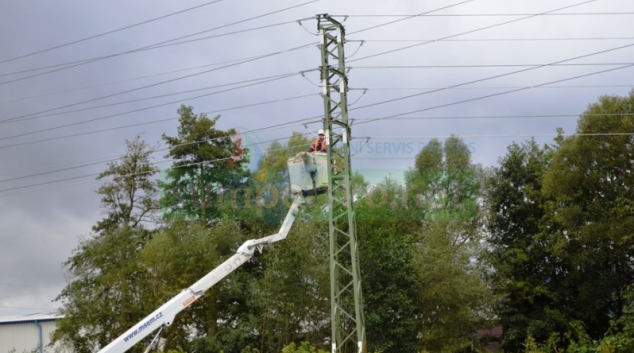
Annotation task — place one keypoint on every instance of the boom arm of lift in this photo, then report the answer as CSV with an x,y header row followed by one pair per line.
x,y
164,316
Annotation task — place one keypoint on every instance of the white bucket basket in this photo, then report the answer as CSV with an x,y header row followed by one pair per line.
x,y
305,168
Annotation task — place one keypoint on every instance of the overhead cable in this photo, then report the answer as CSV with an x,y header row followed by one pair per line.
x,y
492,39
490,95
478,117
505,135
483,87
119,114
492,14
286,75
285,148
128,79
101,160
156,44
162,82
409,17
499,76
140,173
146,49
109,32
479,66
470,31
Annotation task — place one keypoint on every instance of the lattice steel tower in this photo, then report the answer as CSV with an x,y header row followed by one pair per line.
x,y
346,300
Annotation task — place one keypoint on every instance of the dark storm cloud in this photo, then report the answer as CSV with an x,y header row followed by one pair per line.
x,y
40,226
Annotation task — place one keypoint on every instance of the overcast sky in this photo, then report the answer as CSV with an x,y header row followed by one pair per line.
x,y
41,219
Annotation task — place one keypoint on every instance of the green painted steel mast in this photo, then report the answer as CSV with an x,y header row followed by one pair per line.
x,y
346,299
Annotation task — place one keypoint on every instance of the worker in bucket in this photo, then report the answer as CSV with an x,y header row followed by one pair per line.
x,y
319,145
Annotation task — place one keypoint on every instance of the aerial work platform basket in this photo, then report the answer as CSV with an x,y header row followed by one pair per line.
x,y
308,173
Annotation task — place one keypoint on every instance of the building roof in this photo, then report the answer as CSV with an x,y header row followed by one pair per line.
x,y
30,318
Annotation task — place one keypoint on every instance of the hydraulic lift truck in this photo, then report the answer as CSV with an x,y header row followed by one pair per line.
x,y
308,176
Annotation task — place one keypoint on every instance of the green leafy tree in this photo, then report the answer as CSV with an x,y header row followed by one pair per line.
x,y
561,221
271,181
206,159
291,297
420,253
129,198
390,286
454,299
304,347
288,299
445,181
591,212
177,257
105,294
524,267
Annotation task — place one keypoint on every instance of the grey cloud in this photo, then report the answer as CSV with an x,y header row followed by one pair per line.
x,y
39,229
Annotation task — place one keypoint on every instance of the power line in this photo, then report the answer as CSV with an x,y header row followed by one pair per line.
x,y
287,75
70,166
27,285
23,308
479,66
113,158
492,39
160,83
373,137
482,88
226,34
492,14
146,49
542,84
154,121
102,159
130,112
127,80
55,171
140,173
498,76
477,117
109,32
490,95
409,17
471,31
157,44
508,135
268,128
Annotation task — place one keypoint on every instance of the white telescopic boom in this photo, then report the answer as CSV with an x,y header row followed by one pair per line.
x,y
164,316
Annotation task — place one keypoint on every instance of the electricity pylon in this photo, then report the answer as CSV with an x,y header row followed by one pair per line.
x,y
346,299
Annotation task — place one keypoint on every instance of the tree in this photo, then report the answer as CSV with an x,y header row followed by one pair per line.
x,y
454,299
271,181
177,257
420,255
129,199
290,299
107,293
444,184
390,286
106,290
524,268
591,212
206,159
561,223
